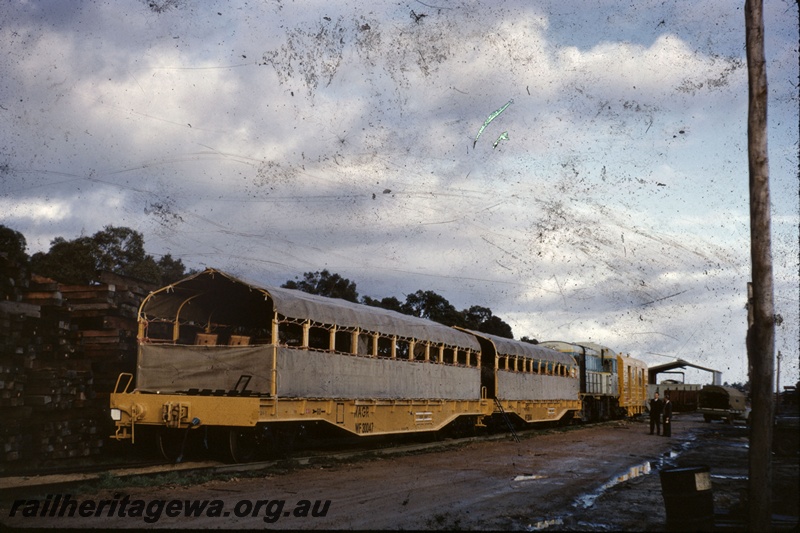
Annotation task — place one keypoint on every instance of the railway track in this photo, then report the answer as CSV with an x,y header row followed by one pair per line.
x,y
71,475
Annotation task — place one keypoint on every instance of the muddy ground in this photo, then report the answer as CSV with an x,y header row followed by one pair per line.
x,y
601,478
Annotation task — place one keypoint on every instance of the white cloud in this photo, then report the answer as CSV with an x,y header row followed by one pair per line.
x,y
34,210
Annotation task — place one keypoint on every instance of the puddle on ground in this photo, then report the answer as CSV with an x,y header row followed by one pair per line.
x,y
544,524
587,500
528,477
663,461
723,476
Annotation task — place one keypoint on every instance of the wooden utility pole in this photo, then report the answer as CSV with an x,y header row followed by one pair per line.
x,y
761,331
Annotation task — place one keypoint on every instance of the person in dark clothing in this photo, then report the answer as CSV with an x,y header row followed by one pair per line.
x,y
667,413
656,408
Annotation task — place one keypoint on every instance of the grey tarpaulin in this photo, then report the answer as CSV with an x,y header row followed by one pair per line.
x,y
330,375
301,373
214,293
172,368
526,386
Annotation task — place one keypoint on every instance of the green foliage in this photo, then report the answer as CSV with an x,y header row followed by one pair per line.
x,y
481,319
430,305
13,261
390,302
71,262
172,270
114,249
496,326
325,284
12,245
119,250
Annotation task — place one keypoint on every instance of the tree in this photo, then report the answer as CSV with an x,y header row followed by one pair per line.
x,y
72,262
325,284
171,269
428,304
121,250
481,319
12,245
115,249
390,302
476,315
13,260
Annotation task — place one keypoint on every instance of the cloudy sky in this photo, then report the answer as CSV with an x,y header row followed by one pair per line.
x,y
606,198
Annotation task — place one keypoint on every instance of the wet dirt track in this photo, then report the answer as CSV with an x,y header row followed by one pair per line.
x,y
598,478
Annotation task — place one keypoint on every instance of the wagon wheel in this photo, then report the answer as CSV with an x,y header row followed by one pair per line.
x,y
241,445
170,443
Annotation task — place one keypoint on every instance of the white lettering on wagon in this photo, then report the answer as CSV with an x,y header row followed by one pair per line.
x,y
423,417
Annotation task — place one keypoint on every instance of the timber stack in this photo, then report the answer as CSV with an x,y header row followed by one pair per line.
x,y
61,350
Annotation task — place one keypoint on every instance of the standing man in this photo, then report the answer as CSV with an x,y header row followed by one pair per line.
x,y
667,410
656,408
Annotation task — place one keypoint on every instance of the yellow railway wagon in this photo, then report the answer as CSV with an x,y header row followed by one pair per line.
x,y
632,384
245,363
221,353
529,381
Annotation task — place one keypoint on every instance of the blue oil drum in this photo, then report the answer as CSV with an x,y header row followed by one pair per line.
x,y
688,498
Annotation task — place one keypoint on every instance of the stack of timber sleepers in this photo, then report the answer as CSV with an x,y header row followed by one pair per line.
x,y
59,385
17,320
64,422
47,395
61,350
52,336
12,405
105,316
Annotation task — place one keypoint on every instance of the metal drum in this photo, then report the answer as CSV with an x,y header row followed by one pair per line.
x,y
688,498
